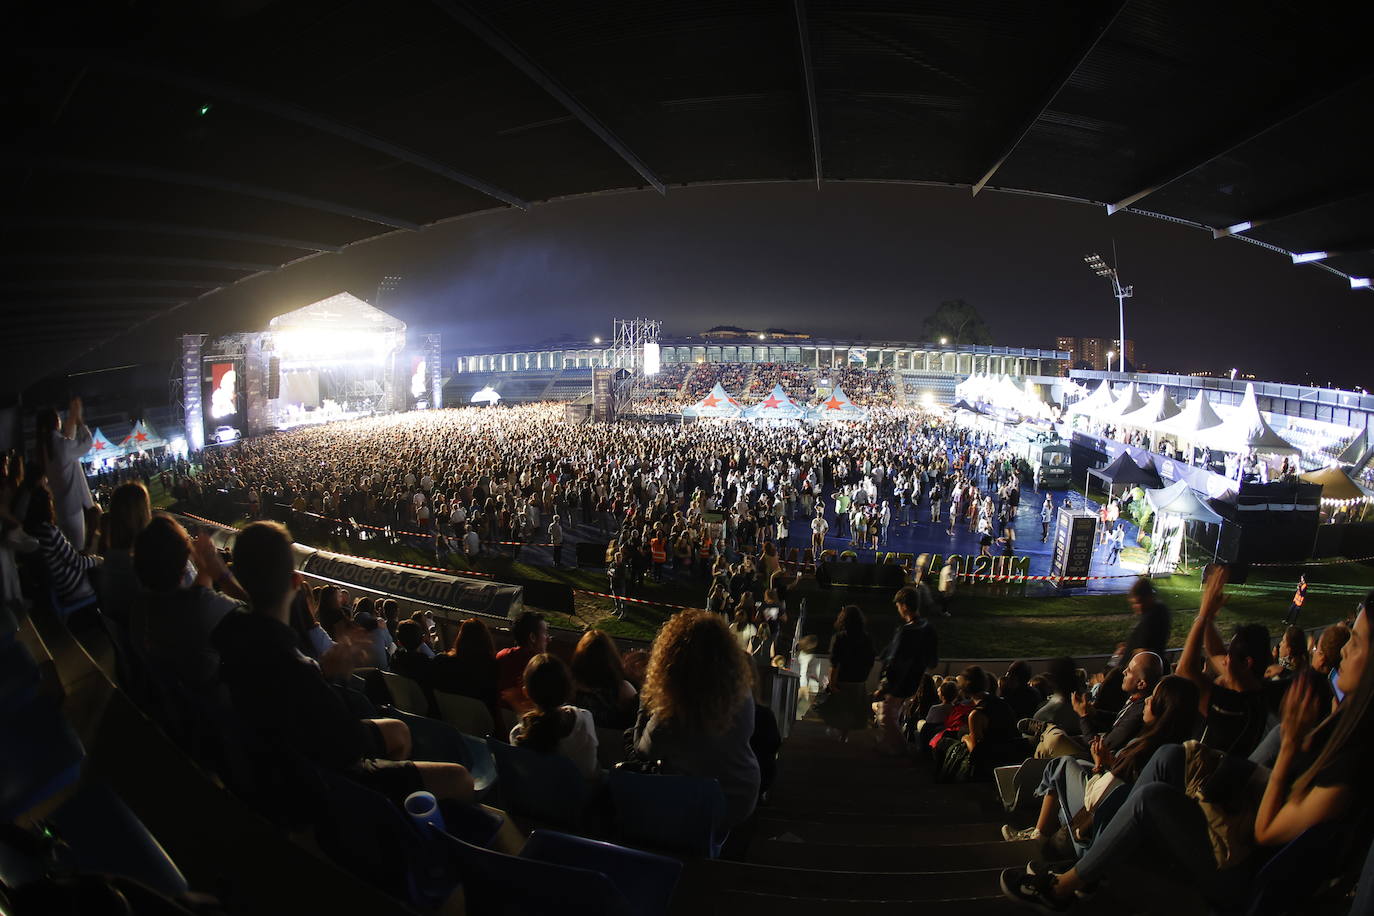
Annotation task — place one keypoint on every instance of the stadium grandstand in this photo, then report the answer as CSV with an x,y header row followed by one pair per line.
x,y
736,621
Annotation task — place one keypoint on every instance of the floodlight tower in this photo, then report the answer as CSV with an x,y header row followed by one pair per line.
x,y
1100,267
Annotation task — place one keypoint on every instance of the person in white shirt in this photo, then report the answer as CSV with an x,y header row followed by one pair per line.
x,y
553,727
472,543
819,526
556,541
59,454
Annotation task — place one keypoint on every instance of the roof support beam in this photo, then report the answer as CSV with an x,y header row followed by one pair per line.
x,y
188,179
809,77
147,260
204,232
1328,198
1061,79
1348,247
473,21
289,112
115,283
1201,158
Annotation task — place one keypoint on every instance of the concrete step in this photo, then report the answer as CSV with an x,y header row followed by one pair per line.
x,y
912,830
892,858
707,880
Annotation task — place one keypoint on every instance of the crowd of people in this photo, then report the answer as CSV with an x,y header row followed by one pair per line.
x,y
1203,769
1205,766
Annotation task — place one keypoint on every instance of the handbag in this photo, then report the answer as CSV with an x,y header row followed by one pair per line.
x,y
1228,789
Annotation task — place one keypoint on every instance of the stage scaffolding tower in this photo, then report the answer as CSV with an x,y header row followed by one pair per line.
x,y
627,351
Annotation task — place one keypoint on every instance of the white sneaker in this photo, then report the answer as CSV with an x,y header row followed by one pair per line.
x,y
1012,835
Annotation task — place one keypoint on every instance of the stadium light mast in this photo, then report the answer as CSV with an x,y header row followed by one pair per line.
x,y
1100,267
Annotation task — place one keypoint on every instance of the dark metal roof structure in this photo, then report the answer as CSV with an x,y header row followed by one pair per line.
x,y
200,144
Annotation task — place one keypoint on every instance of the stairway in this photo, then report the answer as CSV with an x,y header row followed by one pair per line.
x,y
849,832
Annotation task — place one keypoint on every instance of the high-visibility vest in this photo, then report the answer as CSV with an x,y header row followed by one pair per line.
x,y
706,548
658,551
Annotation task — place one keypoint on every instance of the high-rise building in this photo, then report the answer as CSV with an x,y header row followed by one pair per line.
x,y
1091,352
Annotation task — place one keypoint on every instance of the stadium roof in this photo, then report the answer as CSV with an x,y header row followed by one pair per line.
x,y
210,142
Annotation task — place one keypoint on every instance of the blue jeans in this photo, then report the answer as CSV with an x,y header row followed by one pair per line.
x,y
1066,777
1160,826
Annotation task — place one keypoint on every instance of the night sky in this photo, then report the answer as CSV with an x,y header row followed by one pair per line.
x,y
858,260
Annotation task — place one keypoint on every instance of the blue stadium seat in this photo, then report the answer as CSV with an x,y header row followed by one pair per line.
x,y
39,756
677,814
1299,871
547,787
105,837
564,875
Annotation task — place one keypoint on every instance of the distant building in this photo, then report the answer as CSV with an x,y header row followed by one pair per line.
x,y
1091,352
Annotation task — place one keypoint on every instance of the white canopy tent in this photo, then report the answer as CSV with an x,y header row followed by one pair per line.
x,y
1196,417
1101,398
1155,411
1128,402
1246,430
1175,506
718,403
777,406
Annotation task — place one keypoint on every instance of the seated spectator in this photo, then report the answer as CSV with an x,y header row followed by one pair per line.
x,y
1234,704
531,636
552,726
382,643
849,707
991,723
1290,656
1326,656
1318,776
66,569
1023,699
600,686
1115,727
170,627
1066,683
469,667
697,708
408,660
429,631
939,715
1169,716
329,609
115,581
286,705
314,641
373,645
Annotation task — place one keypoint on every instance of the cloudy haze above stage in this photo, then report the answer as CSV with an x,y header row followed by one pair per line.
x,y
856,260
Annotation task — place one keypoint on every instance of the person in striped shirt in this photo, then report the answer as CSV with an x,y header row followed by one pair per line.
x,y
66,568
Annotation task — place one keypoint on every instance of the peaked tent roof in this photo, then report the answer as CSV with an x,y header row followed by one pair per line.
x,y
1335,483
1246,429
1101,398
838,407
1197,415
1129,401
101,447
718,403
1179,499
1125,471
777,406
342,311
142,437
1156,410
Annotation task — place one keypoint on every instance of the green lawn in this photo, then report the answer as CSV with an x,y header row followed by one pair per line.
x,y
990,621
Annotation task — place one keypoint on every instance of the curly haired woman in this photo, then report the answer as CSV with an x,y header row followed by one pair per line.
x,y
700,708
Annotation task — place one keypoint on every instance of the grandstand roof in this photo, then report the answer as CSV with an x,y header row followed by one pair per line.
x,y
202,146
